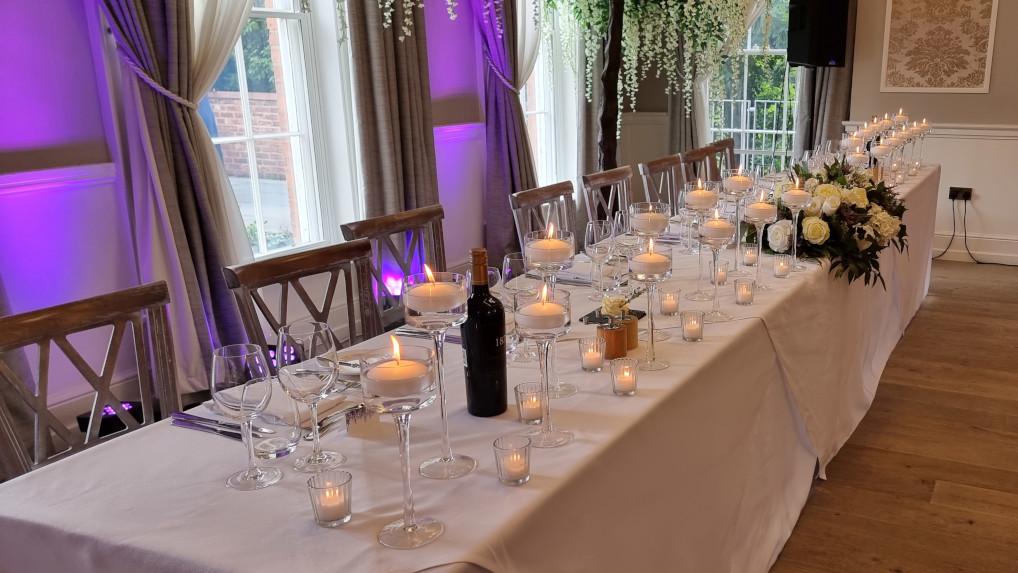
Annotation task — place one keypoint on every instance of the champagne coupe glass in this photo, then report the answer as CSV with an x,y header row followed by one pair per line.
x,y
716,233
544,317
760,213
597,243
701,199
515,281
649,219
737,185
436,302
651,267
307,372
241,387
548,252
796,200
400,382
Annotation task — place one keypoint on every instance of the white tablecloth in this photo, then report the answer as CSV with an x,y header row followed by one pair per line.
x,y
705,469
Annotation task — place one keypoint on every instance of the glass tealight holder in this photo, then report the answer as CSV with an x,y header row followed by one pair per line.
x,y
624,371
692,325
331,497
782,266
744,291
529,402
749,254
668,299
512,458
719,274
591,354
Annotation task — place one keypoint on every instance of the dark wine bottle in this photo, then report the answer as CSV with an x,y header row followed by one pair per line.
x,y
483,336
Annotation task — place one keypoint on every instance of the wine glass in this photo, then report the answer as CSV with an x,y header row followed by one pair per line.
x,y
436,302
738,184
241,387
305,356
597,243
760,213
544,317
399,383
515,281
625,240
716,233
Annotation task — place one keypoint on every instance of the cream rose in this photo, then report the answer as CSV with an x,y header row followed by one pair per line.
x,y
885,225
811,184
855,196
815,230
779,236
827,190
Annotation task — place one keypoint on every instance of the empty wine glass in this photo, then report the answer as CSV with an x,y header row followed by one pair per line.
x,y
625,240
241,386
597,243
307,372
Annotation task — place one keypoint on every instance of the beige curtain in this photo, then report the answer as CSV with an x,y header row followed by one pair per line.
x,y
587,127
825,96
179,200
393,95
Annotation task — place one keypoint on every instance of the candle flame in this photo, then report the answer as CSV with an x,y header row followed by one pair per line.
x,y
717,213
650,249
626,371
795,178
544,294
699,183
395,348
887,116
865,124
551,230
858,149
924,121
431,276
901,111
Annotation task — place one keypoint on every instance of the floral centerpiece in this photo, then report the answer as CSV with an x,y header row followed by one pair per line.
x,y
849,221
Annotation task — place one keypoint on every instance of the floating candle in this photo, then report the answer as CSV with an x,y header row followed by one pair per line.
x,y
542,315
717,228
397,377
649,222
550,249
761,211
650,263
701,199
796,198
738,183
435,296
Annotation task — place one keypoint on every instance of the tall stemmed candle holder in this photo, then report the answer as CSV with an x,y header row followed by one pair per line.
x,y
545,317
649,219
701,199
651,268
547,253
436,302
759,213
737,184
716,233
400,382
796,200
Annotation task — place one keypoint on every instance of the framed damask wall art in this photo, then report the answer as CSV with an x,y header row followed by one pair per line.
x,y
941,46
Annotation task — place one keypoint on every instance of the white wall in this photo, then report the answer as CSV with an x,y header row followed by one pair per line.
x,y
975,137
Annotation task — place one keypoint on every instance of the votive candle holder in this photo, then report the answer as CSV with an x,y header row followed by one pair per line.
x,y
692,325
744,291
331,498
591,354
719,274
782,266
749,254
668,300
624,372
529,402
512,459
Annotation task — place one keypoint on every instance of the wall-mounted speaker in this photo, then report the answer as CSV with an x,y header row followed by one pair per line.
x,y
817,30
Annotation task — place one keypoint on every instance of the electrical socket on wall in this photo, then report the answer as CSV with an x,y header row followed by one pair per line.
x,y
959,193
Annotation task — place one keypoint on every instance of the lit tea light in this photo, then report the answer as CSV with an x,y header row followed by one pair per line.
x,y
330,497
749,254
592,354
744,291
624,376
669,305
512,459
782,266
529,402
692,325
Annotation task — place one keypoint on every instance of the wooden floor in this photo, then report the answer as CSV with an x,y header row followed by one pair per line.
x,y
929,481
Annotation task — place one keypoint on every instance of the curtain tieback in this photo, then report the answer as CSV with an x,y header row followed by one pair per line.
x,y
143,76
498,73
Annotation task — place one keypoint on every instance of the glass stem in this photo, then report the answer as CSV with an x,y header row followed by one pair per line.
x,y
714,279
795,239
738,234
316,446
439,338
247,431
544,360
759,250
599,269
651,292
403,434
699,269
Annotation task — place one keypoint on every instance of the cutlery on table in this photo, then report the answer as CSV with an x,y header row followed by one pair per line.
x,y
344,417
207,429
219,424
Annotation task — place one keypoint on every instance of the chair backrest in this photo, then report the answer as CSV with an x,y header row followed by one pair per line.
x,y
419,233
144,308
533,209
724,152
662,180
607,191
699,163
351,259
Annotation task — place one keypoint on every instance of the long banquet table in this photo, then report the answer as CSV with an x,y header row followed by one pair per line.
x,y
705,470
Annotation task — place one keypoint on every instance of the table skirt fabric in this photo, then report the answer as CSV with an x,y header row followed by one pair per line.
x,y
705,470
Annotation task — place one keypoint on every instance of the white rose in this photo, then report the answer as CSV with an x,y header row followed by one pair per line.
x,y
855,196
825,205
815,230
884,225
831,205
779,236
811,184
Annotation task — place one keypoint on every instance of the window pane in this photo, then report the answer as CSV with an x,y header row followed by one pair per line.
x,y
778,33
221,109
287,5
280,193
270,53
235,162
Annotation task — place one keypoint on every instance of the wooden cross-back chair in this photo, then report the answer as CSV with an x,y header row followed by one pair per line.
x,y
144,309
602,204
533,209
724,153
351,260
662,180
419,233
